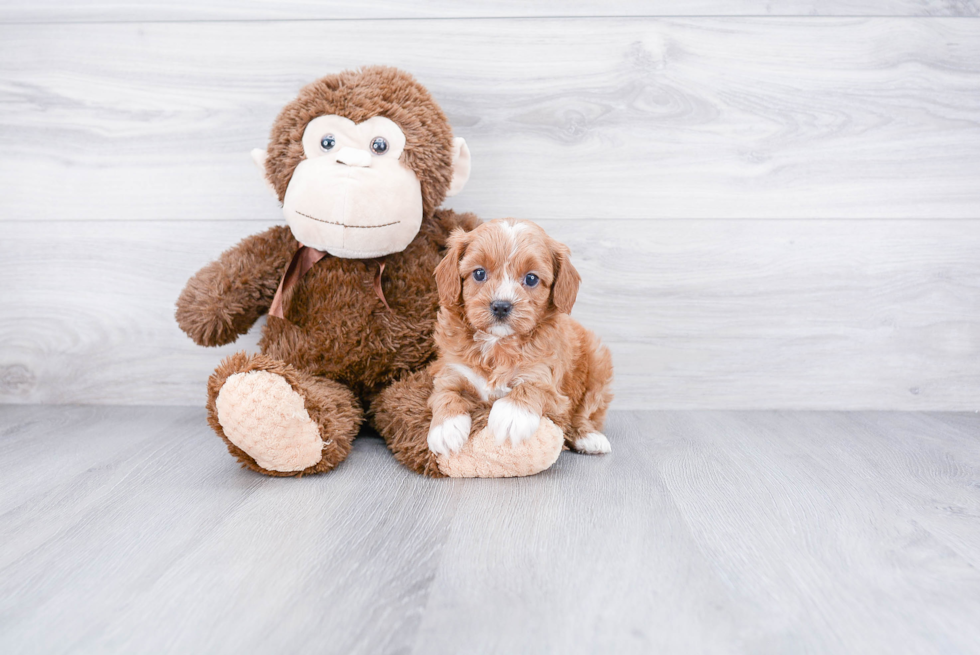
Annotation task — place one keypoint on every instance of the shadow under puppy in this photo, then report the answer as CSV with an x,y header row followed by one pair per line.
x,y
505,339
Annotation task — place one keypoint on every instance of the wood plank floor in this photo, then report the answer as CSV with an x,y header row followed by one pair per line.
x,y
126,530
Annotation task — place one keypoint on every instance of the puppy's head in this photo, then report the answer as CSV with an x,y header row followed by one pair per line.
x,y
506,276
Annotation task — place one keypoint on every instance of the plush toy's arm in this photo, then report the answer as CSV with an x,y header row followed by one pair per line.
x,y
225,298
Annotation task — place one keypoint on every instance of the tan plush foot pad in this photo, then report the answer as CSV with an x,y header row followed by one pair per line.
x,y
261,414
481,457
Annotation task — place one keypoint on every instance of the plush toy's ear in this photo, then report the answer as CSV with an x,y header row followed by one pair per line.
x,y
565,288
461,166
448,278
259,156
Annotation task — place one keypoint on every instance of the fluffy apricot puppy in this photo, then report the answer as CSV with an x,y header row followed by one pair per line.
x,y
505,339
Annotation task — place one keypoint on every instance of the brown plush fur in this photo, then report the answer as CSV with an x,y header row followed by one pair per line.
x,y
225,298
360,95
339,346
555,367
401,413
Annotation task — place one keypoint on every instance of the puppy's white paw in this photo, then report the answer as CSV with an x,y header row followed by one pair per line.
x,y
450,435
594,443
511,421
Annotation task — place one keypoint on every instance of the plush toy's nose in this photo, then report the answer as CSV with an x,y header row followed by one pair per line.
x,y
354,157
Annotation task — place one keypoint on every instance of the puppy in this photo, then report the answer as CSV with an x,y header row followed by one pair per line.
x,y
505,338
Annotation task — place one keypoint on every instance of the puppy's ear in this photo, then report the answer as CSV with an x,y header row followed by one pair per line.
x,y
565,288
448,279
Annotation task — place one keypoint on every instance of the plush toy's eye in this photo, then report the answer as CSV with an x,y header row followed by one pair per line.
x,y
531,280
479,275
379,146
328,142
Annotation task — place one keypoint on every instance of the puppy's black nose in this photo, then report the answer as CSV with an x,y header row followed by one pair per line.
x,y
501,308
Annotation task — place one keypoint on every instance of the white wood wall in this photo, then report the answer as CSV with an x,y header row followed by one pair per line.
x,y
773,205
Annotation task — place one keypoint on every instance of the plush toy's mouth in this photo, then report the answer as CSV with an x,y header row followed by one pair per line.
x,y
320,220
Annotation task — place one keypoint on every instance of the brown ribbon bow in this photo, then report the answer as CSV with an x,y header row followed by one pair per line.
x,y
300,264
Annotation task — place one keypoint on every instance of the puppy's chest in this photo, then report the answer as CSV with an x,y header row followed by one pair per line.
x,y
490,386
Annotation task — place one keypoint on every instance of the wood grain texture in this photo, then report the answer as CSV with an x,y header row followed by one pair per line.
x,y
571,119
721,532
699,314
184,10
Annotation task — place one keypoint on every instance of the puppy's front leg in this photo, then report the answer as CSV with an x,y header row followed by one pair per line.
x,y
451,422
517,415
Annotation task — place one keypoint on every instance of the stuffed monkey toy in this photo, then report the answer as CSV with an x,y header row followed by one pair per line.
x,y
360,161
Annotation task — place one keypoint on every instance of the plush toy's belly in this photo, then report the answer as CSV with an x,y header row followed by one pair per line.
x,y
338,327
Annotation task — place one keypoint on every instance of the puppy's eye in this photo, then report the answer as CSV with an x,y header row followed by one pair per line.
x,y
379,146
479,275
327,142
531,280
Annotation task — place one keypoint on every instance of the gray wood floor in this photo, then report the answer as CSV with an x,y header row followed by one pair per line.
x,y
131,530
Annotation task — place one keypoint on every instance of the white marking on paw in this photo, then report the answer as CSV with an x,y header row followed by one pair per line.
x,y
594,443
450,435
511,421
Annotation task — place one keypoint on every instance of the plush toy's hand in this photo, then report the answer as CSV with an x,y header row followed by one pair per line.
x,y
508,420
226,297
202,316
450,435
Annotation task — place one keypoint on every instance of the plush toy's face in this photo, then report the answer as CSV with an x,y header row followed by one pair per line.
x,y
358,160
351,196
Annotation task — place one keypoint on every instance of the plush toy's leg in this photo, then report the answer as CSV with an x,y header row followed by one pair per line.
x,y
401,414
278,420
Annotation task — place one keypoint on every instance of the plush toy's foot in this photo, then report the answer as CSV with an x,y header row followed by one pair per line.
x,y
278,420
401,414
482,457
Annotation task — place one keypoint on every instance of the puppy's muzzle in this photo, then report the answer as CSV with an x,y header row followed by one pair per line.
x,y
501,309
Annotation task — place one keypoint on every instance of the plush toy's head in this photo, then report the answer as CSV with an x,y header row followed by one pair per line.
x,y
358,159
